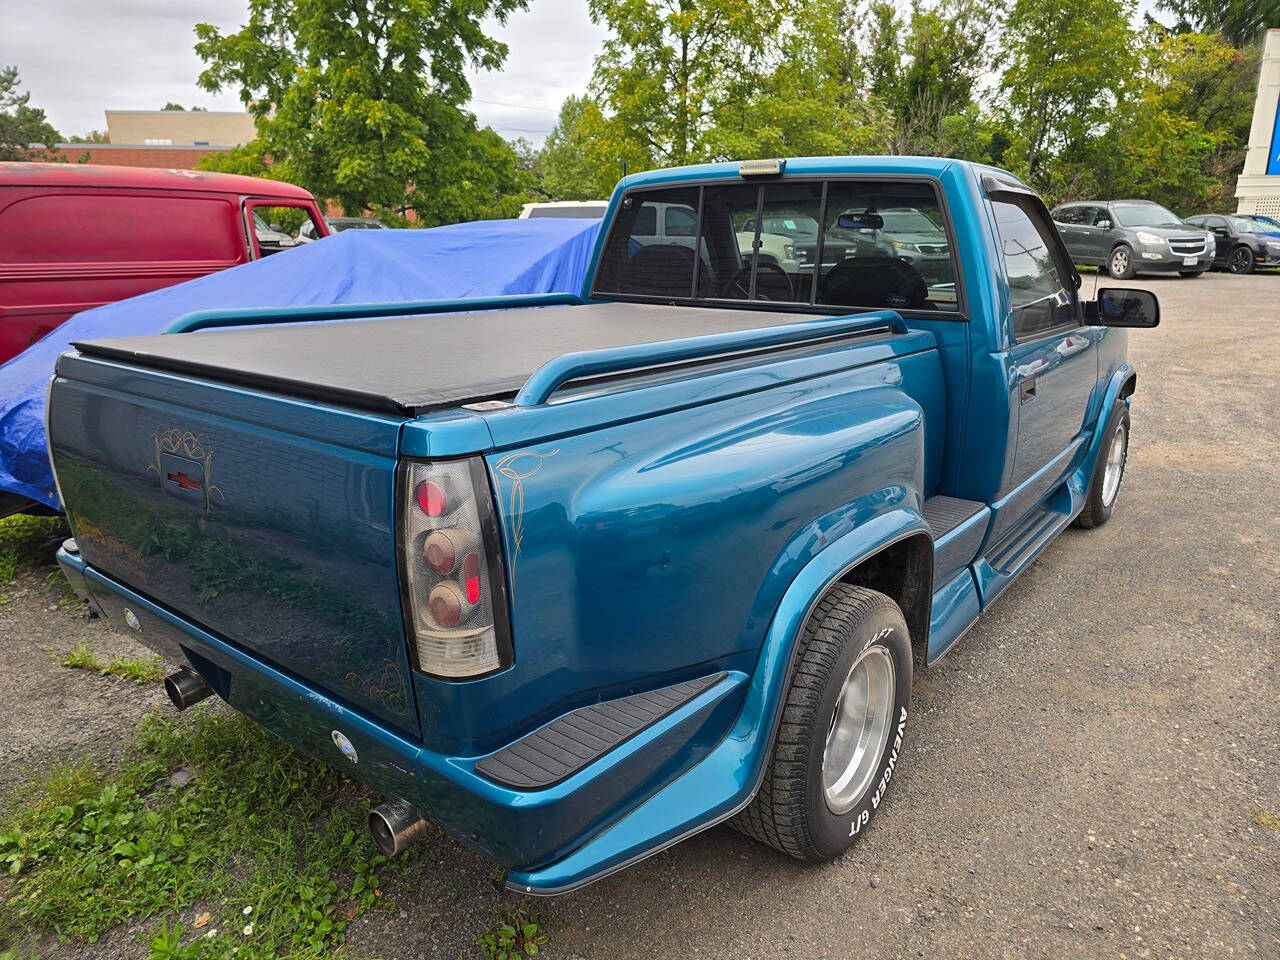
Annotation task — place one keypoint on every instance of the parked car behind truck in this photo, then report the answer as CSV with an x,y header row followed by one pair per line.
x,y
1128,237
75,236
579,581
1242,243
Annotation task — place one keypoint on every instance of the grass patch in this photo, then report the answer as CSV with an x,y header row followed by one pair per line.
x,y
269,843
1264,818
28,543
136,669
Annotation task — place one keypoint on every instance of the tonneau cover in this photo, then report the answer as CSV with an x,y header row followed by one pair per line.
x,y
407,365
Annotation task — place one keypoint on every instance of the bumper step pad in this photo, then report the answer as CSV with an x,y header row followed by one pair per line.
x,y
564,746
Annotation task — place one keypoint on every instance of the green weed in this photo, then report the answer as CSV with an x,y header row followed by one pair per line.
x,y
81,657
274,839
515,936
1265,819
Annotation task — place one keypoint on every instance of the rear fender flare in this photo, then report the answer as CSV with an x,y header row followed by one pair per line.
x,y
762,708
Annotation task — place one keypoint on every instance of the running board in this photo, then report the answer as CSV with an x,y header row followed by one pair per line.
x,y
958,528
1015,551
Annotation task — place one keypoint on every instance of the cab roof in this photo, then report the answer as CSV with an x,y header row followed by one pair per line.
x,y
142,178
808,166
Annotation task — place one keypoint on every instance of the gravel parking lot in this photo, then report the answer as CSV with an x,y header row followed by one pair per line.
x,y
1092,773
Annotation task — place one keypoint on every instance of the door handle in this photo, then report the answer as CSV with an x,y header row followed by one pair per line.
x,y
1026,390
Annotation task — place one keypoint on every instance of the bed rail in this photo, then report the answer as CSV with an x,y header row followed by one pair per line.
x,y
549,377
252,316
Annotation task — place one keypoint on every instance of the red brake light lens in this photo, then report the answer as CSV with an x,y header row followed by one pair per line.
x,y
432,499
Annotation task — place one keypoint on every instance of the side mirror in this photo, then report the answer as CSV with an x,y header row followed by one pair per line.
x,y
1123,308
749,226
1104,224
277,228
1220,231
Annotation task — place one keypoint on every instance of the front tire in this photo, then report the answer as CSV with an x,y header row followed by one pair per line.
x,y
1120,264
1108,472
1241,260
842,726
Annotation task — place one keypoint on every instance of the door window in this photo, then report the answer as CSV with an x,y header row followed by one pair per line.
x,y
1097,216
1069,215
1041,290
276,226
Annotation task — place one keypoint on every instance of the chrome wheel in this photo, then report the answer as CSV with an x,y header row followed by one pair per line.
x,y
860,729
1119,262
1115,466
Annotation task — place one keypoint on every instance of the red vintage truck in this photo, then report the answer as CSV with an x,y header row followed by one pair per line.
x,y
75,236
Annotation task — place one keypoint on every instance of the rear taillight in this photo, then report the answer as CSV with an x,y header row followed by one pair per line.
x,y
453,569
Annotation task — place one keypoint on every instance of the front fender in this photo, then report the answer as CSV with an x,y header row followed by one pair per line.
x,y
1083,474
726,780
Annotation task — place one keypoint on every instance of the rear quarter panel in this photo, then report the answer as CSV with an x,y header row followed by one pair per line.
x,y
658,549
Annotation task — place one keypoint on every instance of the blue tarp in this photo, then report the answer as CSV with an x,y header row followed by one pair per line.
x,y
486,258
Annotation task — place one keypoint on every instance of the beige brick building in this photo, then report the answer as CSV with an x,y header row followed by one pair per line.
x,y
179,128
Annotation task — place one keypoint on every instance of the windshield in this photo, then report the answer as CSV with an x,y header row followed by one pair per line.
x,y
259,224
1241,225
1269,222
908,221
1145,215
790,226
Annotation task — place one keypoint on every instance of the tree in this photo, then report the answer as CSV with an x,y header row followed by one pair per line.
x,y
1060,93
93,136
173,106
22,125
360,100
578,161
1181,139
1240,21
670,67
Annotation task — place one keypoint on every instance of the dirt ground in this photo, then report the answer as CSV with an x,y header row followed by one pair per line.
x,y
1087,775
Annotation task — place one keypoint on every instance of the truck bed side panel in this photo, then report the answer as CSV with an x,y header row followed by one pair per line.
x,y
230,508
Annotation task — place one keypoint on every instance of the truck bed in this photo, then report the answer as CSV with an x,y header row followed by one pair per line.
x,y
408,365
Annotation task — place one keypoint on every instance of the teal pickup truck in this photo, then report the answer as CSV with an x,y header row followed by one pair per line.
x,y
577,576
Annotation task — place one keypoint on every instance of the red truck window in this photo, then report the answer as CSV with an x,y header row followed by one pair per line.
x,y
110,228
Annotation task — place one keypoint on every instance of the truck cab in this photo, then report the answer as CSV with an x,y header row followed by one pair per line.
x,y
575,582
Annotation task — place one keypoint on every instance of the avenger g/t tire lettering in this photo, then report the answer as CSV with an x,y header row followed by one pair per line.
x,y
840,739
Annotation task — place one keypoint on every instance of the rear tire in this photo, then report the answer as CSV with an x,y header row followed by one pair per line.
x,y
841,732
1120,264
1108,472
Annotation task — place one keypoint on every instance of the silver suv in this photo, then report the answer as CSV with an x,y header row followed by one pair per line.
x,y
1127,237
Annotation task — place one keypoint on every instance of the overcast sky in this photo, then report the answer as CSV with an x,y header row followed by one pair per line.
x,y
81,57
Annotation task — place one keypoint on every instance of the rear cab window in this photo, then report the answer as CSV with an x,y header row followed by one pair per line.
x,y
825,245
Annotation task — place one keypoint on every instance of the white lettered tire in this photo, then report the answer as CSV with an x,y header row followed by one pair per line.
x,y
840,739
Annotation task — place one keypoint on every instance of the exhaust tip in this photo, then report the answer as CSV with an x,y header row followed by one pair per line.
x,y
394,825
186,688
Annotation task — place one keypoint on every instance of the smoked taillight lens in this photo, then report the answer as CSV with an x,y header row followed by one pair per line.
x,y
455,595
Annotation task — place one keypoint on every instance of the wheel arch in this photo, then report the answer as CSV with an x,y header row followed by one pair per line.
x,y
902,571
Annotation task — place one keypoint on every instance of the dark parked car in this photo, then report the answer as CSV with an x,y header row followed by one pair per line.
x,y
338,225
1127,237
1243,243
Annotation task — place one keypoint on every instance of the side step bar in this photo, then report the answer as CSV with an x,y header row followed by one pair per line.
x,y
564,746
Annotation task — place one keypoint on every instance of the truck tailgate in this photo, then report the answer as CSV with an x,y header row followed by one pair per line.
x,y
269,521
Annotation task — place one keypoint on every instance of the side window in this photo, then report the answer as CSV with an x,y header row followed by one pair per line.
x,y
1097,216
1214,222
680,222
1070,215
1041,290
276,227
